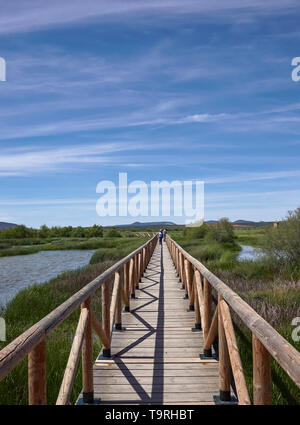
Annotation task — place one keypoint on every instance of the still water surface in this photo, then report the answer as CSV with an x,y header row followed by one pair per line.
x,y
249,253
20,271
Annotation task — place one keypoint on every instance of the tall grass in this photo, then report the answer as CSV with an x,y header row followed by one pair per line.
x,y
14,247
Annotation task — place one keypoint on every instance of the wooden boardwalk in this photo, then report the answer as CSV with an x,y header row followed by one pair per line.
x,y
156,359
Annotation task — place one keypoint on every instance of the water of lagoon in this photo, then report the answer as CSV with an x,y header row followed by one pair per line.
x,y
18,272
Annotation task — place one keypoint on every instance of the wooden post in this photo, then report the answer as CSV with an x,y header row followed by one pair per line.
x,y
136,271
184,279
131,278
37,374
261,373
106,315
118,319
188,276
143,261
87,358
139,267
235,359
224,361
207,307
99,330
126,288
213,330
197,306
71,368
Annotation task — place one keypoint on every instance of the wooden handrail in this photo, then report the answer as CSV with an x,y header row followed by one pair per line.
x,y
32,342
278,347
266,340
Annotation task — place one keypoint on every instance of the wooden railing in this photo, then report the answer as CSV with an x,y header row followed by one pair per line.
x,y
32,343
198,282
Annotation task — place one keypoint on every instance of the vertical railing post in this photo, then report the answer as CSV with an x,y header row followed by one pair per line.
x,y
224,360
126,287
105,293
131,278
207,304
197,307
261,373
177,262
136,271
118,317
140,265
181,270
188,275
37,374
143,261
87,359
184,278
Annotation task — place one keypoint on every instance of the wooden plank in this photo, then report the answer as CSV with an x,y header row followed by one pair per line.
x,y
124,366
159,360
165,381
181,398
162,388
194,374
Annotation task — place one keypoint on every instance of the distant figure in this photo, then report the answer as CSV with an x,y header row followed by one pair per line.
x,y
164,234
160,236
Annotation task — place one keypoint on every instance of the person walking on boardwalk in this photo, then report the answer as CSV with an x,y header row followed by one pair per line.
x,y
160,236
164,234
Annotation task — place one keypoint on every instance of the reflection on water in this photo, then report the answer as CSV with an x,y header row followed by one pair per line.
x,y
19,271
249,253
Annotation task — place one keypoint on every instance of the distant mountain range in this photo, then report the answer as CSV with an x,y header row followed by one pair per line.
x,y
4,226
149,223
237,223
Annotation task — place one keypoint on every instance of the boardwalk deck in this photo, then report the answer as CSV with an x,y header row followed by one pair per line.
x,y
156,360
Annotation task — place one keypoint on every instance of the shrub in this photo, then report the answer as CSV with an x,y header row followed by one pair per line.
x,y
221,232
195,232
113,233
284,241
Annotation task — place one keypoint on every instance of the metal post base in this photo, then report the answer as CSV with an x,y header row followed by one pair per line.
x,y
82,402
106,355
119,328
207,353
230,401
197,328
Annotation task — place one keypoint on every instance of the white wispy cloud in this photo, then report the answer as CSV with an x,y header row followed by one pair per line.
x,y
35,159
20,16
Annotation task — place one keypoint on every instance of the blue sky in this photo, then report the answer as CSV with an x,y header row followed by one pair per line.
x,y
161,90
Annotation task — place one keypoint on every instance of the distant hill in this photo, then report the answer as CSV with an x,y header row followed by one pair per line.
x,y
4,226
236,223
148,224
245,223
